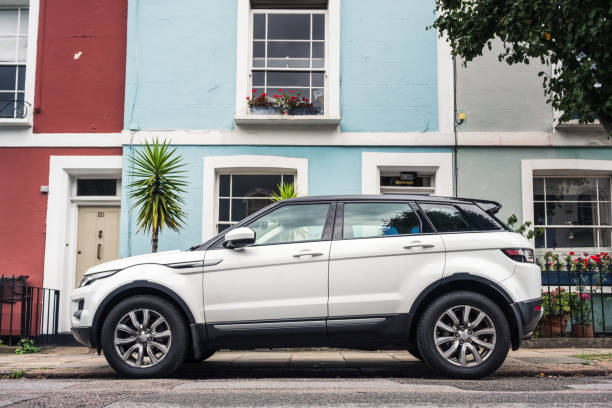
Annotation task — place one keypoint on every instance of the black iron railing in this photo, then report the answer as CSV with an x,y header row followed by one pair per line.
x,y
27,312
576,297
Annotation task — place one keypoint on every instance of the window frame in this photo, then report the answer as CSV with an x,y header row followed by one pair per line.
x,y
467,219
331,114
18,64
231,173
596,227
310,69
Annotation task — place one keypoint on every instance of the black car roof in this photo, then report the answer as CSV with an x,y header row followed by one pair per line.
x,y
388,197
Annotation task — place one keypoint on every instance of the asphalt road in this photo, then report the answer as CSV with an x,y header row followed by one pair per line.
x,y
308,392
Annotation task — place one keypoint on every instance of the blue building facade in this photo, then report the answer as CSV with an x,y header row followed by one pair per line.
x,y
372,73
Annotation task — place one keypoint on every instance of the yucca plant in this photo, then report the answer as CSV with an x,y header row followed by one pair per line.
x,y
157,187
285,192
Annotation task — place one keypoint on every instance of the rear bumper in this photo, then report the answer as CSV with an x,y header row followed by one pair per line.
x,y
83,336
530,312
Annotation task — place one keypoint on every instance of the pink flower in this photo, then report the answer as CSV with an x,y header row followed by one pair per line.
x,y
585,296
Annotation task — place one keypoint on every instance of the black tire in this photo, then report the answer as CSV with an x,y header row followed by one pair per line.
x,y
415,353
177,345
491,358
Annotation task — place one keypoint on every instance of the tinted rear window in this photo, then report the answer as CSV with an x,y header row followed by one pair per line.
x,y
368,220
479,218
459,218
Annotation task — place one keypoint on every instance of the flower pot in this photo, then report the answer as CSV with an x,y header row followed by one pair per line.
x,y
553,326
304,110
264,110
582,330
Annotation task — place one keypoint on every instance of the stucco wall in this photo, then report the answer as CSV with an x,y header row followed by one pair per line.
x,y
181,65
498,97
494,173
80,76
331,170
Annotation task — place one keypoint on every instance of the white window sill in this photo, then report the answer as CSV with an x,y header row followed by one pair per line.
x,y
7,122
287,120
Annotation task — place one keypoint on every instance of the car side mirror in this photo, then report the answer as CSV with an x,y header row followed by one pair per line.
x,y
239,238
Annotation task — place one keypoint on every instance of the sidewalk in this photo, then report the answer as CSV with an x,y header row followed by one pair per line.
x,y
78,362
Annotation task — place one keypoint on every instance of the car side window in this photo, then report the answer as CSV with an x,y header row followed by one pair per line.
x,y
369,220
446,217
291,223
479,218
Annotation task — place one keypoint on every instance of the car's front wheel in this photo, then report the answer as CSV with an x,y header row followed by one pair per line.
x,y
463,335
144,336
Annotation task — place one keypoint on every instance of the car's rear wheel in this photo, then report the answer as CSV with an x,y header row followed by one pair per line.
x,y
463,335
144,336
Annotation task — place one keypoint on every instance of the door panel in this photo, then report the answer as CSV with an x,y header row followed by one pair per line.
x,y
97,238
383,275
268,282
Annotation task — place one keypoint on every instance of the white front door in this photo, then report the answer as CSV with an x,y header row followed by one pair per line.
x,y
382,261
282,277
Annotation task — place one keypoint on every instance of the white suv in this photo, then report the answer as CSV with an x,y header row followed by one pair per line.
x,y
440,277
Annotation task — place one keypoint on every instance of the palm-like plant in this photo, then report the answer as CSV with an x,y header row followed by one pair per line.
x,y
285,192
157,187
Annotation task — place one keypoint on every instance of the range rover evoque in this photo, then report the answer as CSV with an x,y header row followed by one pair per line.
x,y
440,277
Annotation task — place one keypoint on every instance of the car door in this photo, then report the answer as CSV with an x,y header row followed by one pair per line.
x,y
275,291
382,256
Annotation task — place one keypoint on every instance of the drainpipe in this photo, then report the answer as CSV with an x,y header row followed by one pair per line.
x,y
456,165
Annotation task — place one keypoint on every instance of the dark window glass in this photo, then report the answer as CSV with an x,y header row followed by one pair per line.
x,y
318,51
571,237
604,188
288,78
259,49
288,49
96,187
539,215
538,189
318,79
318,27
259,78
224,185
7,77
288,178
256,185
242,207
7,105
291,223
288,26
446,218
222,227
576,213
479,218
259,26
365,220
604,214
571,189
224,205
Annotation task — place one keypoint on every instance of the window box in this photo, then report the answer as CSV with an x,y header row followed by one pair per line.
x,y
256,120
264,110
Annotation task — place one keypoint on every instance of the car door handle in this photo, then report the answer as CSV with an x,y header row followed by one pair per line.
x,y
307,253
418,245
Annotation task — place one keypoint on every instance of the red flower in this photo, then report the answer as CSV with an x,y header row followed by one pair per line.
x,y
572,253
280,90
264,94
248,98
586,254
254,90
291,90
276,96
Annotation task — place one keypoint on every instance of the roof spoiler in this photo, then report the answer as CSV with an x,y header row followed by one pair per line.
x,y
490,207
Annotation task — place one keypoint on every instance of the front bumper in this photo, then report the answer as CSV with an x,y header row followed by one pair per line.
x,y
83,336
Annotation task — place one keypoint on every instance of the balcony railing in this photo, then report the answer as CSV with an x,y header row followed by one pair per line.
x,y
13,109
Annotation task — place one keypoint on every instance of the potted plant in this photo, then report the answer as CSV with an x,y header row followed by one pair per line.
x,y
262,105
556,305
295,104
582,324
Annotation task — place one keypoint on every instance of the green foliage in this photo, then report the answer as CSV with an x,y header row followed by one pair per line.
x,y
26,346
157,187
573,37
523,229
15,375
285,192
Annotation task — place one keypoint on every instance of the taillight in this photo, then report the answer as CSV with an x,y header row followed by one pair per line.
x,y
519,254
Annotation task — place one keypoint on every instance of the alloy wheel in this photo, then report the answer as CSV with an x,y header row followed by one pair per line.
x,y
465,336
142,338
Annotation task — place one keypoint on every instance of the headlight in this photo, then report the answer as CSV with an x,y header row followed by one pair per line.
x,y
87,279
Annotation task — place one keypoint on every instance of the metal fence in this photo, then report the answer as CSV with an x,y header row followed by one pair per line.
x,y
576,297
27,312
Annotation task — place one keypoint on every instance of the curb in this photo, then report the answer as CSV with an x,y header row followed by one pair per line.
x,y
569,342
